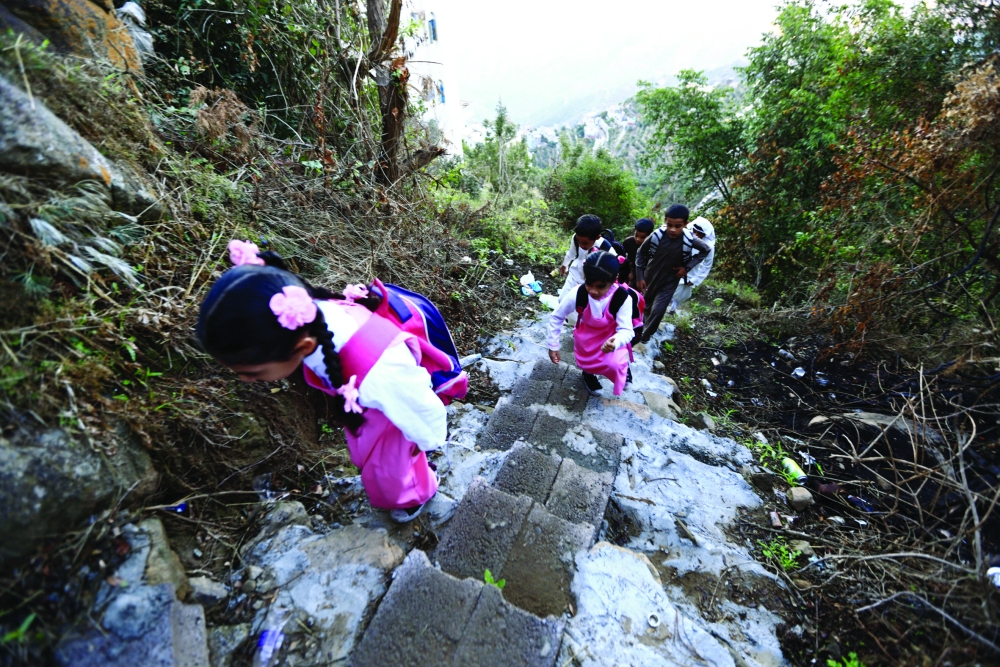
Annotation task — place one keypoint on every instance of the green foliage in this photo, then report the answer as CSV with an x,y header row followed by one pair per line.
x,y
698,133
684,324
850,661
488,578
777,550
501,161
594,182
20,633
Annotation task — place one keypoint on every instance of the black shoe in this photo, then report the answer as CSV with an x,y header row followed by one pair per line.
x,y
628,376
593,384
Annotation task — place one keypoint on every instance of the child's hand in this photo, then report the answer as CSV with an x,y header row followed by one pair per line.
x,y
554,356
609,345
641,285
562,270
681,271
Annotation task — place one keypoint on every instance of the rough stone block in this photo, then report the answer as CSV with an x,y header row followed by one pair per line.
x,y
540,567
507,424
530,392
421,619
799,498
544,371
593,449
528,472
501,635
482,531
224,640
145,626
580,495
661,405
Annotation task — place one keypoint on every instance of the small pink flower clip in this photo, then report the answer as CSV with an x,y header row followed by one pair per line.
x,y
244,252
293,307
350,393
354,292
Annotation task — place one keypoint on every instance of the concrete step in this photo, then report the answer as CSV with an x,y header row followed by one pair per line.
x,y
518,540
429,618
566,489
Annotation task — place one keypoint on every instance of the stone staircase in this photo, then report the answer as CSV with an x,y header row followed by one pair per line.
x,y
544,508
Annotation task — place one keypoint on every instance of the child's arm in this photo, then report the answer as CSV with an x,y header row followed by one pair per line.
x,y
624,333
401,389
696,258
569,257
556,320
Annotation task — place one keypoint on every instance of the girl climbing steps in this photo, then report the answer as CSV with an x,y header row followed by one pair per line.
x,y
600,338
263,322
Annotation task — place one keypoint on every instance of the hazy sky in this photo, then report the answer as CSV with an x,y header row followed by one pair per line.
x,y
548,58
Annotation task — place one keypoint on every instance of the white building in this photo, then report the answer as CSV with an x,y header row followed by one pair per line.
x,y
432,77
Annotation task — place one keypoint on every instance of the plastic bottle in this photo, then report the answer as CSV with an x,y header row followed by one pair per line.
x,y
861,504
792,469
271,638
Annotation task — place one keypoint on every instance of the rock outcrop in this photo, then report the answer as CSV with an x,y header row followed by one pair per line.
x,y
88,28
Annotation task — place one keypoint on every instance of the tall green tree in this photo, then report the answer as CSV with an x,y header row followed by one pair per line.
x,y
501,159
697,134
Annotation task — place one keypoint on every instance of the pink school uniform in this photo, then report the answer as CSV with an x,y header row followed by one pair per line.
x,y
404,418
595,325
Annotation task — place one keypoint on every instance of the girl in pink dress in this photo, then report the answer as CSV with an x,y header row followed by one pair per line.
x,y
264,322
601,337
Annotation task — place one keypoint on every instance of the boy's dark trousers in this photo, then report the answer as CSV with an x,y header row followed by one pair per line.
x,y
656,307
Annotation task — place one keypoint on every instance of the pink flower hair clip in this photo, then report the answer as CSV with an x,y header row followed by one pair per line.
x,y
293,307
354,292
349,391
244,252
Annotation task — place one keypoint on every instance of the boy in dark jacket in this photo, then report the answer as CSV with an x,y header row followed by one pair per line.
x,y
643,228
662,260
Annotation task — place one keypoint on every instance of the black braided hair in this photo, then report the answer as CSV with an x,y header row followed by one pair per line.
x,y
237,327
600,267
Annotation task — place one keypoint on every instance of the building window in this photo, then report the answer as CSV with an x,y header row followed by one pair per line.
x,y
433,26
441,91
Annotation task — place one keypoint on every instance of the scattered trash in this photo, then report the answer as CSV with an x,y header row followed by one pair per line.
x,y
715,362
821,380
829,489
465,260
706,384
861,504
786,355
776,520
730,384
818,419
548,301
270,640
526,291
798,372
509,262
793,470
839,520
469,360
861,523
993,574
654,620
262,485
527,278
180,508
806,457
536,287
759,437
197,553
712,394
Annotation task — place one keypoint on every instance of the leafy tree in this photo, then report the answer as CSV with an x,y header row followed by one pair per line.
x,y
594,182
697,133
501,159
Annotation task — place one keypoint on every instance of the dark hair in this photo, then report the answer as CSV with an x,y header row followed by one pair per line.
x,y
678,211
601,267
589,226
236,325
644,225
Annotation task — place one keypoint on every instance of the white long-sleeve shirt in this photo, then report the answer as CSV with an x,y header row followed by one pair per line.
x,y
623,334
574,258
396,384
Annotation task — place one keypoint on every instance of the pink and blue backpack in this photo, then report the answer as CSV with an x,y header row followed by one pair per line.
x,y
412,313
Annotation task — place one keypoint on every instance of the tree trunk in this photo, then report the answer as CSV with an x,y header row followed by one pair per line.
x,y
392,82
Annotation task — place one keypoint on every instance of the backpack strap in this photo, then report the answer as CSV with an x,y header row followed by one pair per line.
x,y
581,299
365,347
617,299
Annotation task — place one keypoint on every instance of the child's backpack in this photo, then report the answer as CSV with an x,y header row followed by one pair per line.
x,y
617,299
403,310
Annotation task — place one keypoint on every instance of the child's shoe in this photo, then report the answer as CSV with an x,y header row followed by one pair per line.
x,y
628,376
406,515
593,384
